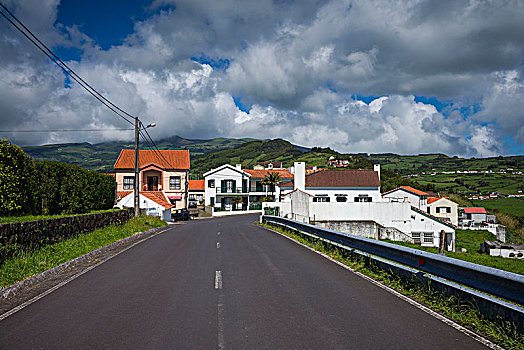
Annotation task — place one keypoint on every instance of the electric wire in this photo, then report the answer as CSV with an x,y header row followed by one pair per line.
x,y
59,63
67,130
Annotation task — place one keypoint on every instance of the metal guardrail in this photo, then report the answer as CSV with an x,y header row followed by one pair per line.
x,y
500,283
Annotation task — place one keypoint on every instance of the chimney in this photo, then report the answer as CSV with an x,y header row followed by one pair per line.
x,y
238,166
376,168
300,175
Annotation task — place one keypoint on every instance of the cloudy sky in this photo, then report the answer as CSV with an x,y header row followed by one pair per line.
x,y
407,77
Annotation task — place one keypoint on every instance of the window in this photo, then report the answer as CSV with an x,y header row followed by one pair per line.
x,y
129,182
321,199
341,199
192,197
444,210
212,199
428,237
174,182
363,198
416,237
211,183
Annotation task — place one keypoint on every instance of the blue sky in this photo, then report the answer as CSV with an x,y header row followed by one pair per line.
x,y
356,76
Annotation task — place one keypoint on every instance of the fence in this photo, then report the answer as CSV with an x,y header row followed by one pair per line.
x,y
499,283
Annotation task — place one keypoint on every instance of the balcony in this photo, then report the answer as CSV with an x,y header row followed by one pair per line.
x,y
233,190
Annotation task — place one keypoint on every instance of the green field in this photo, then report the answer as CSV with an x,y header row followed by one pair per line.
x,y
473,183
511,206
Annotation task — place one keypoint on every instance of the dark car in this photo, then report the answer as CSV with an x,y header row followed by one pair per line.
x,y
182,214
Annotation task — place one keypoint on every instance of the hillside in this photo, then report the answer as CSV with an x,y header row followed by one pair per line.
x,y
102,156
406,165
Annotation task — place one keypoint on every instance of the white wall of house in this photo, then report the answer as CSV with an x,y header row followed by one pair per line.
x,y
445,209
400,195
225,172
478,217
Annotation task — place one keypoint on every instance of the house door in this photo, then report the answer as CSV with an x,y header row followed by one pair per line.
x,y
152,183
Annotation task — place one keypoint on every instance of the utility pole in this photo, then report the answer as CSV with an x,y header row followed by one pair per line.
x,y
137,170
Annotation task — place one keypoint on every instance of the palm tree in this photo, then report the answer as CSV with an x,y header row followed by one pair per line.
x,y
237,200
271,179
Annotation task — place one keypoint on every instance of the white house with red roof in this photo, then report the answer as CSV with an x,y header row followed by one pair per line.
x,y
476,215
160,171
417,198
443,208
197,189
153,203
350,201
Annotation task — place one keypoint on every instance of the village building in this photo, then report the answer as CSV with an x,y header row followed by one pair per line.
x,y
196,190
350,201
417,198
164,171
443,208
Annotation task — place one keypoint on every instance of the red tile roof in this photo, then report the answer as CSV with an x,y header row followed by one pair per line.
x,y
158,197
260,174
340,178
408,189
176,159
196,185
122,194
475,210
433,199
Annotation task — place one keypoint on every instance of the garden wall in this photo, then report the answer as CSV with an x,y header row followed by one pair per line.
x,y
33,234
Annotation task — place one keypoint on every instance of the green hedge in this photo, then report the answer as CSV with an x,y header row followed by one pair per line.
x,y
30,187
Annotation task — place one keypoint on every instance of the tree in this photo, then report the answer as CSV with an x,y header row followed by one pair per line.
x,y
15,173
271,180
237,200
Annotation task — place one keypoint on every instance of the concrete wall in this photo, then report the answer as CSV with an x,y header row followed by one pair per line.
x,y
368,229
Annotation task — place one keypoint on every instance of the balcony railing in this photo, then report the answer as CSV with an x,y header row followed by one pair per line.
x,y
233,190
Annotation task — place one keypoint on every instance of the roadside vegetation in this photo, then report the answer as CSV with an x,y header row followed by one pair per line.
x,y
471,240
26,264
503,333
10,219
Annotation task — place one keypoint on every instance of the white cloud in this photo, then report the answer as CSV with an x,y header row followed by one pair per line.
x,y
299,65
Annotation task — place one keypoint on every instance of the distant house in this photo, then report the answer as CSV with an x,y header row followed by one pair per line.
x,y
476,215
443,208
164,170
226,182
196,193
257,188
417,198
153,203
267,165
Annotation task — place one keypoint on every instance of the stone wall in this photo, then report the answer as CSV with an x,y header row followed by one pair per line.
x,y
33,234
368,229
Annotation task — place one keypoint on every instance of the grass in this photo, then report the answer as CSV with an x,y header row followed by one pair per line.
x,y
25,264
511,206
497,330
9,219
471,240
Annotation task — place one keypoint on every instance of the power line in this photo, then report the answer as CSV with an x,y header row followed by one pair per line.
x,y
66,130
50,54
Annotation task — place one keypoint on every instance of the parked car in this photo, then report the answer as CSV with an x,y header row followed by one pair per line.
x,y
181,214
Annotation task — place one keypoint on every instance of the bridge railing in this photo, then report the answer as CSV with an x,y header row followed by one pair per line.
x,y
499,283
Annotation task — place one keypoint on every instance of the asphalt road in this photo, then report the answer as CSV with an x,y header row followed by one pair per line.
x,y
224,283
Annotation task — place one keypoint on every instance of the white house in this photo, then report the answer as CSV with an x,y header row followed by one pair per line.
x,y
224,183
417,198
443,208
155,203
476,215
339,186
350,201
